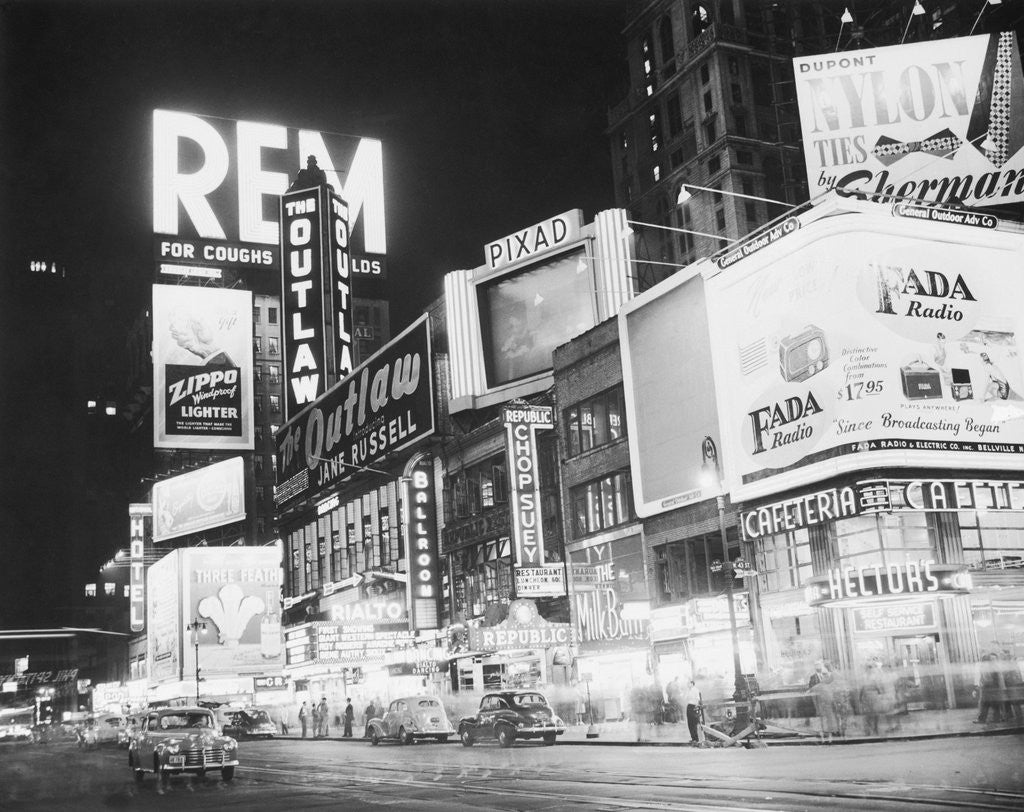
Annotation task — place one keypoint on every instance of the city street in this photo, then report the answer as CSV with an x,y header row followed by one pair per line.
x,y
968,773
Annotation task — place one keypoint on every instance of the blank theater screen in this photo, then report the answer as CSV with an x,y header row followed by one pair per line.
x,y
526,314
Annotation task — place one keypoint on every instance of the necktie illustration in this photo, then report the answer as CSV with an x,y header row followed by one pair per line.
x,y
997,120
943,144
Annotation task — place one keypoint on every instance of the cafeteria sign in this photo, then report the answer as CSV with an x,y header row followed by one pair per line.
x,y
524,628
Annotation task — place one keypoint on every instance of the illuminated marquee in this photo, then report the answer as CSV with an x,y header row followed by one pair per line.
x,y
898,579
218,173
137,513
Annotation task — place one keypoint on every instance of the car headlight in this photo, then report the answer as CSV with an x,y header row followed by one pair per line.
x,y
173,748
230,744
555,720
520,724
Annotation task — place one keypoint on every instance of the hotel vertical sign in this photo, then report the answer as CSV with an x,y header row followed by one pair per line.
x,y
522,422
137,513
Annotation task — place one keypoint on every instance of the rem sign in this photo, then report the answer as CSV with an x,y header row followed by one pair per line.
x,y
315,271
521,423
216,182
137,513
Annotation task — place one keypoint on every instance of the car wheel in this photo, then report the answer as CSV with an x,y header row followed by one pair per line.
x,y
506,736
405,737
227,773
374,737
442,739
549,739
466,737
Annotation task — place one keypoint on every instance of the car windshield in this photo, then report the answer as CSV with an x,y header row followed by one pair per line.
x,y
185,720
258,717
529,700
428,703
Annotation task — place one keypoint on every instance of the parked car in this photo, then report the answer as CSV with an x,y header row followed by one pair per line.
x,y
107,727
16,731
245,723
411,718
177,740
510,715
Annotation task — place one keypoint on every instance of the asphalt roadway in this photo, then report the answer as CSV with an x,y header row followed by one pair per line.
x,y
947,773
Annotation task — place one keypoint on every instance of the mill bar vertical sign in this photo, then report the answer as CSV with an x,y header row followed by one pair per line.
x,y
522,422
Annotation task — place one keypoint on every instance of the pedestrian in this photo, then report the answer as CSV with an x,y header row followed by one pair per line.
x,y
304,718
324,717
1014,692
692,699
371,712
674,693
872,697
990,684
349,716
820,686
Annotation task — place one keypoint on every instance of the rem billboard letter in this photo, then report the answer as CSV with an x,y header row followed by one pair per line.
x,y
202,368
216,182
936,121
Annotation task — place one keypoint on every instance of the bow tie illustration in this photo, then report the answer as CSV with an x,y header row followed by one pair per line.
x,y
943,144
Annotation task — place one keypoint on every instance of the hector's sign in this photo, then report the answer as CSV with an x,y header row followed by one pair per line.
x,y
905,578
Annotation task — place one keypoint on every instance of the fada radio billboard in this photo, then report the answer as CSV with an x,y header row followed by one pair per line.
x,y
216,182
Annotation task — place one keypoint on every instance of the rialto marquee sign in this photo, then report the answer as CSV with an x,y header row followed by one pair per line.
x,y
882,496
216,182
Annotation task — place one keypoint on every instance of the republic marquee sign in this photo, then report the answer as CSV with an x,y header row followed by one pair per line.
x,y
216,182
385,405
524,628
882,496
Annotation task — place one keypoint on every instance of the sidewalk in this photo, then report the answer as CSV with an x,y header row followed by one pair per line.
x,y
800,731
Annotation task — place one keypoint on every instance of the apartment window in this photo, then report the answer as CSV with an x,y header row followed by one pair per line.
x,y
272,315
734,66
751,209
705,74
737,93
595,422
688,141
675,158
257,371
709,102
783,561
682,569
654,129
715,165
747,185
656,172
258,402
701,19
668,48
674,109
686,240
710,132
274,372
256,314
275,403
257,344
478,487
744,156
601,504
272,345
259,494
741,126
720,219
257,463
259,435
624,141
650,77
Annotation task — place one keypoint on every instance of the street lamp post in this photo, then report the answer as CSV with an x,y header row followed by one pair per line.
x,y
197,627
741,694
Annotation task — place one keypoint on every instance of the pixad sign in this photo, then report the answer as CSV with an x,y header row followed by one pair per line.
x,y
555,232
216,182
937,121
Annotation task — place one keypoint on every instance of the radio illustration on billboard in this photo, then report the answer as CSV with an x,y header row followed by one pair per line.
x,y
803,355
962,389
921,382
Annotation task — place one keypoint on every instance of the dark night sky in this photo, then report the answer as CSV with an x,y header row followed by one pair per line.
x,y
491,114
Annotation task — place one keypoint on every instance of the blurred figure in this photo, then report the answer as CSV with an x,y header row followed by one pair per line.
x,y
990,685
1014,693
820,686
693,703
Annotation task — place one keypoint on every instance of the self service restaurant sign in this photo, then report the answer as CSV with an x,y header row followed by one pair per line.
x,y
872,340
932,121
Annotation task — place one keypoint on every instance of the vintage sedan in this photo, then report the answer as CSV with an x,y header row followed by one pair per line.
x,y
181,740
412,718
245,723
510,715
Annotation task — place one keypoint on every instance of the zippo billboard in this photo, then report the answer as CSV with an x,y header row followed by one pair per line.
x,y
865,340
216,182
935,121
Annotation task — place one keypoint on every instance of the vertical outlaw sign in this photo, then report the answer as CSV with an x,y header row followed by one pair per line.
x,y
521,422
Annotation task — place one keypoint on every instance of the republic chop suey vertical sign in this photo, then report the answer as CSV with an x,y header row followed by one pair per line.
x,y
937,121
521,424
386,404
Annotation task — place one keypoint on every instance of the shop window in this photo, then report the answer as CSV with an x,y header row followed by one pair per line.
x,y
601,504
783,561
992,539
595,422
